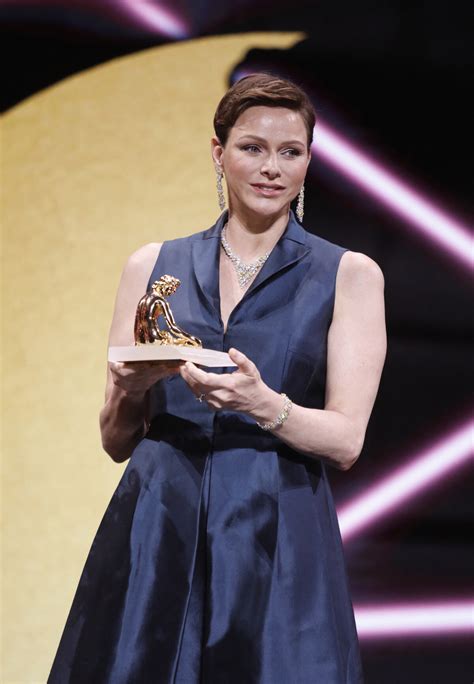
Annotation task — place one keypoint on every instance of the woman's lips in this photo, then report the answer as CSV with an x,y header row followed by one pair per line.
x,y
267,190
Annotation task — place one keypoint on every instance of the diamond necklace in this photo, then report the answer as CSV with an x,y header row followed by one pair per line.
x,y
245,272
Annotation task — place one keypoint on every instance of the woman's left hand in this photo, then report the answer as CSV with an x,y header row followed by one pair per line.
x,y
241,390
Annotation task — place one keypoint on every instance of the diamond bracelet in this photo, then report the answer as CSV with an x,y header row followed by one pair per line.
x,y
280,419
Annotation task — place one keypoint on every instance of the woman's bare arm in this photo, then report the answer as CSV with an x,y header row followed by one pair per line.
x,y
357,346
124,414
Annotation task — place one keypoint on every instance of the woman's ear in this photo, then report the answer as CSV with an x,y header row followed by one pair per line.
x,y
216,151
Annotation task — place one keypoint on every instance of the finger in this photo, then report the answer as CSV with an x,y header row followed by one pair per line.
x,y
189,380
210,381
123,369
213,404
116,365
243,362
119,366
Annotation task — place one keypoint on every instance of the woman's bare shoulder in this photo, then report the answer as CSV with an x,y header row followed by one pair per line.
x,y
140,263
144,255
357,270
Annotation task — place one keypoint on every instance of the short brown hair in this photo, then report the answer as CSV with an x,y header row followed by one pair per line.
x,y
266,90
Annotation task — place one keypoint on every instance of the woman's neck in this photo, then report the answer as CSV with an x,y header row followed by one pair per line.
x,y
252,236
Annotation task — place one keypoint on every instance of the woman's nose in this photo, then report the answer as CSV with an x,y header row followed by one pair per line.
x,y
270,166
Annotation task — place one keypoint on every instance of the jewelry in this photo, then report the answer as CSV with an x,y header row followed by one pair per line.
x,y
245,272
282,416
220,191
300,204
201,397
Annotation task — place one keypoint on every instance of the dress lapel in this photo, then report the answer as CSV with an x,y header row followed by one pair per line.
x,y
205,256
290,248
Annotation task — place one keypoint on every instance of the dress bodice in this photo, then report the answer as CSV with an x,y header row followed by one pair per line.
x,y
281,322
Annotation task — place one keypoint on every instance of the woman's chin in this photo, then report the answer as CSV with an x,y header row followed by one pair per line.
x,y
266,206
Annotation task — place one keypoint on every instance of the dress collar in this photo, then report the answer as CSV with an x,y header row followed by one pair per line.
x,y
290,248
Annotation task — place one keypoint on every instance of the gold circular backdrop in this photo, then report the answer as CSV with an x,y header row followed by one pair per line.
x,y
93,168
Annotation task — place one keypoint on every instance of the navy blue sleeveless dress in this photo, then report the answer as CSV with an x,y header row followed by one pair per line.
x,y
219,558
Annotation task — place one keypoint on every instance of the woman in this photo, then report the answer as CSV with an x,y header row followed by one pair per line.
x,y
219,557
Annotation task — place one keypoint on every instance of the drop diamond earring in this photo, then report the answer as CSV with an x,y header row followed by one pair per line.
x,y
300,204
220,191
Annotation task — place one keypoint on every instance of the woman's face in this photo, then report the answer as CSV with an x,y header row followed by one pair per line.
x,y
264,160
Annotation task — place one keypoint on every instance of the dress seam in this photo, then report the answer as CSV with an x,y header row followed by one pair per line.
x,y
191,575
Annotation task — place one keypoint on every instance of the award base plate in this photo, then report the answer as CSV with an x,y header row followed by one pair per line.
x,y
170,352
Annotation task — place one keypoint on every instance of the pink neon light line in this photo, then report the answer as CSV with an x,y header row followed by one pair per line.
x,y
422,619
392,192
148,13
392,491
156,18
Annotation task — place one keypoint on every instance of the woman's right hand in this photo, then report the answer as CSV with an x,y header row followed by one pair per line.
x,y
138,376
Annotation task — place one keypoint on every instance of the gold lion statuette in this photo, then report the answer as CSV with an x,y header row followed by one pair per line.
x,y
153,305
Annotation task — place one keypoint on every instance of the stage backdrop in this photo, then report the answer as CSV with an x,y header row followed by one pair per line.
x,y
95,167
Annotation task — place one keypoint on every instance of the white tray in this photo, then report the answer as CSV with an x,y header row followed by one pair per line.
x,y
169,352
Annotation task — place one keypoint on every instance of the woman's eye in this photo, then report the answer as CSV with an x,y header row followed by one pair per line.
x,y
292,152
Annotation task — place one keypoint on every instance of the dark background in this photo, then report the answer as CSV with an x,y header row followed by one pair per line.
x,y
392,78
